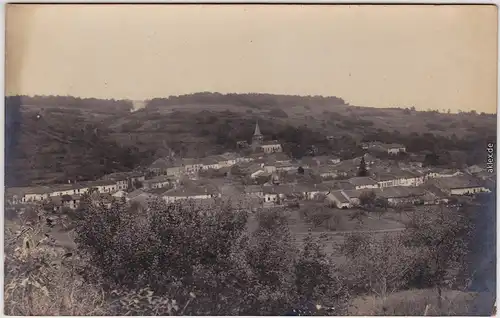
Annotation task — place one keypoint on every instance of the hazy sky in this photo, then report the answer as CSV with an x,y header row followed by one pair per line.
x,y
435,57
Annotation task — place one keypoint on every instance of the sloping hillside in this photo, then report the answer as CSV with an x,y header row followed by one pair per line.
x,y
56,144
60,138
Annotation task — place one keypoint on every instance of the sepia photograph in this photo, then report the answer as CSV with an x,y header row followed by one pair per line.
x,y
250,160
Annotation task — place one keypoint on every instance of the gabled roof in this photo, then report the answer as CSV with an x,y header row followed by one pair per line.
x,y
190,161
271,143
458,182
100,183
338,196
352,194
212,160
191,191
158,179
399,192
361,181
343,185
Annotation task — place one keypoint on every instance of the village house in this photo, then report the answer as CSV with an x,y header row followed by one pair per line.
x,y
460,185
394,149
119,194
228,159
66,201
345,168
102,186
400,194
390,149
325,160
353,196
361,183
242,144
211,162
312,191
270,195
27,194
121,180
326,172
279,157
254,191
399,178
191,165
339,199
125,179
271,146
98,198
255,170
474,169
269,168
159,182
192,192
442,173
286,166
340,185
168,167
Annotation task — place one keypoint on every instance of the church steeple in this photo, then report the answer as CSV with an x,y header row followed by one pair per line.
x,y
257,130
257,138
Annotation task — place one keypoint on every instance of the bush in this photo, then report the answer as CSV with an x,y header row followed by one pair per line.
x,y
185,248
376,265
43,281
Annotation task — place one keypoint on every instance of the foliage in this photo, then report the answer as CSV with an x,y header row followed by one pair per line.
x,y
42,280
258,101
184,248
367,198
316,277
362,171
442,243
379,265
278,113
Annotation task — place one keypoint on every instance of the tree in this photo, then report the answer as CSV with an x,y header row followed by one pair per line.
x,y
376,265
441,239
316,280
362,171
367,198
185,248
382,203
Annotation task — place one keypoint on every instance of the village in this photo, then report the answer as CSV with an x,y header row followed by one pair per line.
x,y
267,177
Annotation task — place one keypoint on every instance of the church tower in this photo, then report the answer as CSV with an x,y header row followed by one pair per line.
x,y
257,137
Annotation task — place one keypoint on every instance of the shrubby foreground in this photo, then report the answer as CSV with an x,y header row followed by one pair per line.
x,y
192,259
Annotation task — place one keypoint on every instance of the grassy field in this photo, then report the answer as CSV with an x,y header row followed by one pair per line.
x,y
414,303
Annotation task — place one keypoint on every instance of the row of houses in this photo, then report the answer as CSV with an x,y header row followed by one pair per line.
x,y
176,167
432,191
108,184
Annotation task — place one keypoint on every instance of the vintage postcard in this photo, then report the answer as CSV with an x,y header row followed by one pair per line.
x,y
247,160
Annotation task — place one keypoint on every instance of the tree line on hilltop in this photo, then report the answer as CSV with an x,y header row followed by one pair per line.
x,y
253,100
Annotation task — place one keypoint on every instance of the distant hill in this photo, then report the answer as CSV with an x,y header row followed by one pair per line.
x,y
52,137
